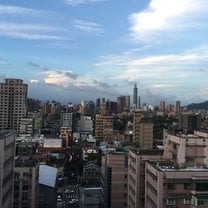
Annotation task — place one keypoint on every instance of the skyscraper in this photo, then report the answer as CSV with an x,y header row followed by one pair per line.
x,y
135,95
178,108
13,98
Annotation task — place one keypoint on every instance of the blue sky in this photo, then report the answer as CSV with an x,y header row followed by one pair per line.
x,y
73,50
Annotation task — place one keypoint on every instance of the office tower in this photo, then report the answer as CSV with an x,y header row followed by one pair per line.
x,y
162,106
189,122
7,153
13,98
178,108
26,174
114,169
135,96
103,127
136,174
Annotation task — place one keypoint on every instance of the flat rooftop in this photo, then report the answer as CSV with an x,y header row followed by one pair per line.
x,y
171,166
3,134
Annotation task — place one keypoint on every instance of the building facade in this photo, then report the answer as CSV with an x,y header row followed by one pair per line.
x,y
114,179
166,185
136,174
13,99
7,153
103,127
26,184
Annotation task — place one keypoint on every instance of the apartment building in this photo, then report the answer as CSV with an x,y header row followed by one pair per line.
x,y
142,131
187,149
104,127
26,183
7,153
136,174
168,186
114,170
13,99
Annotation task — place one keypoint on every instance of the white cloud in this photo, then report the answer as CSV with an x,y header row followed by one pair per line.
x,y
7,9
164,15
30,31
34,81
87,26
79,2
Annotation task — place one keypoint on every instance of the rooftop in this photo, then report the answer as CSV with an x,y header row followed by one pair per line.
x,y
4,134
47,175
171,166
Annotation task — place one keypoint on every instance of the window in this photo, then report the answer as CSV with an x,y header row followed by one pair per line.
x,y
171,186
170,201
187,200
187,185
202,202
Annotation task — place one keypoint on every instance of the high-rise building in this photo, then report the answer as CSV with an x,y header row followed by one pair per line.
x,y
7,153
123,103
114,174
136,174
135,96
142,131
103,127
166,185
178,108
13,99
26,183
162,106
189,122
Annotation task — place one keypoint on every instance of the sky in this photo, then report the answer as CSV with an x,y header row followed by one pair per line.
x,y
73,50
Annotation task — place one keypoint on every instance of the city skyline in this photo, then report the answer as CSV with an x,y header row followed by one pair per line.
x,y
84,49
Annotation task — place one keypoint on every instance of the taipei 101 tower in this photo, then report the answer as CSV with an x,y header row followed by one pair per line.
x,y
135,96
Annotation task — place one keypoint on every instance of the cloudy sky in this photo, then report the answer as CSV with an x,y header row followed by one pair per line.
x,y
73,50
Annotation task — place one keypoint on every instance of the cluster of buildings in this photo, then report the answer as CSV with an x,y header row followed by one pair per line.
x,y
128,169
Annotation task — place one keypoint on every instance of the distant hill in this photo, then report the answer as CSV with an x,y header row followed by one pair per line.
x,y
203,105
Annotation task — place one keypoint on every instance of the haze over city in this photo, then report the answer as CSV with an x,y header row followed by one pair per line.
x,y
70,50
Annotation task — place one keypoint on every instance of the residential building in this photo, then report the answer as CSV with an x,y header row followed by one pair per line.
x,y
7,154
142,131
66,136
167,185
114,167
189,122
26,183
92,174
187,150
66,119
13,99
103,127
136,174
91,197
26,127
